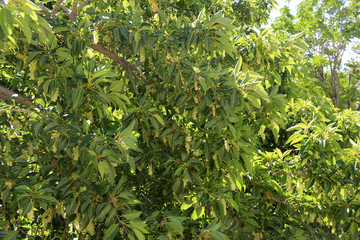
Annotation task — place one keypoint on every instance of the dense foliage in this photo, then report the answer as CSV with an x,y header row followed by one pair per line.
x,y
167,120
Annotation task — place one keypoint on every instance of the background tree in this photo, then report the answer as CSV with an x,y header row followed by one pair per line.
x,y
329,28
252,13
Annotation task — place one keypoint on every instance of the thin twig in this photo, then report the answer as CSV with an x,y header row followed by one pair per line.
x,y
137,77
133,82
124,82
16,110
140,72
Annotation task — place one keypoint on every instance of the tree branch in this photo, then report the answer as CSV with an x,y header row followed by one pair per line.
x,y
140,72
16,110
74,12
65,9
56,7
7,94
84,4
110,54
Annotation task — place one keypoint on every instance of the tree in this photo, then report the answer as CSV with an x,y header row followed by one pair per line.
x,y
137,119
285,22
352,86
252,13
329,27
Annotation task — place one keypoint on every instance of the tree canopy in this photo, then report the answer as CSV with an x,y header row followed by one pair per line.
x,y
167,120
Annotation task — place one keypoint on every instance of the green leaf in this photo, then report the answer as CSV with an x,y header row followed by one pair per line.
x,y
116,86
44,24
102,74
198,213
223,44
232,203
159,119
247,163
214,226
111,232
131,162
254,100
11,235
78,97
186,205
275,130
226,22
139,234
203,84
49,199
232,130
274,90
100,217
117,101
213,122
132,215
6,21
207,42
111,173
27,208
30,12
176,226
301,44
139,225
22,189
3,233
24,26
187,175
353,230
178,23
296,137
218,235
130,141
275,185
103,168
127,131
30,4
190,40
238,66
